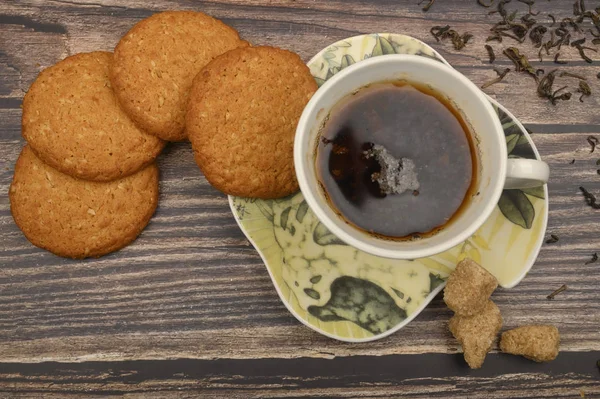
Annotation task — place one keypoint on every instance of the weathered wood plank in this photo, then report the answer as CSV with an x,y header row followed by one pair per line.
x,y
87,26
503,376
191,286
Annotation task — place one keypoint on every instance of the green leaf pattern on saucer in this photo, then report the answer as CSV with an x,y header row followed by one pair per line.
x,y
350,295
517,205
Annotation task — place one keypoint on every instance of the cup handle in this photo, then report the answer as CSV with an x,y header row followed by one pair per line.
x,y
526,173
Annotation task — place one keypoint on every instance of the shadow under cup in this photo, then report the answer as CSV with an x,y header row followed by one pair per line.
x,y
477,112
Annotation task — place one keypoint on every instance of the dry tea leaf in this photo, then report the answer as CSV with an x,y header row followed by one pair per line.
x,y
545,89
584,89
428,5
593,260
558,291
490,52
501,75
553,238
521,62
590,198
593,140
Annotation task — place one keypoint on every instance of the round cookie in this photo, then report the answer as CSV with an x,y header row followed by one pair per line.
x,y
155,64
79,218
242,116
73,122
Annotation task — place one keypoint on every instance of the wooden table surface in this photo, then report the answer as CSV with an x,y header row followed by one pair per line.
x,y
189,309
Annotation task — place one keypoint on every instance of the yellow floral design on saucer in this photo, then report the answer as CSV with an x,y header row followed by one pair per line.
x,y
353,296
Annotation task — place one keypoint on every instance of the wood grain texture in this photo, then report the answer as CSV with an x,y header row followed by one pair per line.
x,y
359,376
192,286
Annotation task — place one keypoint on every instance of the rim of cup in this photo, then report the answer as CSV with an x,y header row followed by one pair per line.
x,y
305,145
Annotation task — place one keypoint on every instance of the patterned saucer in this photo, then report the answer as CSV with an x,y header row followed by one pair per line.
x,y
353,296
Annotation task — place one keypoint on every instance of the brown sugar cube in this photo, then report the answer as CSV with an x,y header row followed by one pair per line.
x,y
476,334
538,343
468,288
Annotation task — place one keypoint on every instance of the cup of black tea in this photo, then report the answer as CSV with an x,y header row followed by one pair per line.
x,y
403,157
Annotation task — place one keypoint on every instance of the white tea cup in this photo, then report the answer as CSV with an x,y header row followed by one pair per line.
x,y
495,170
